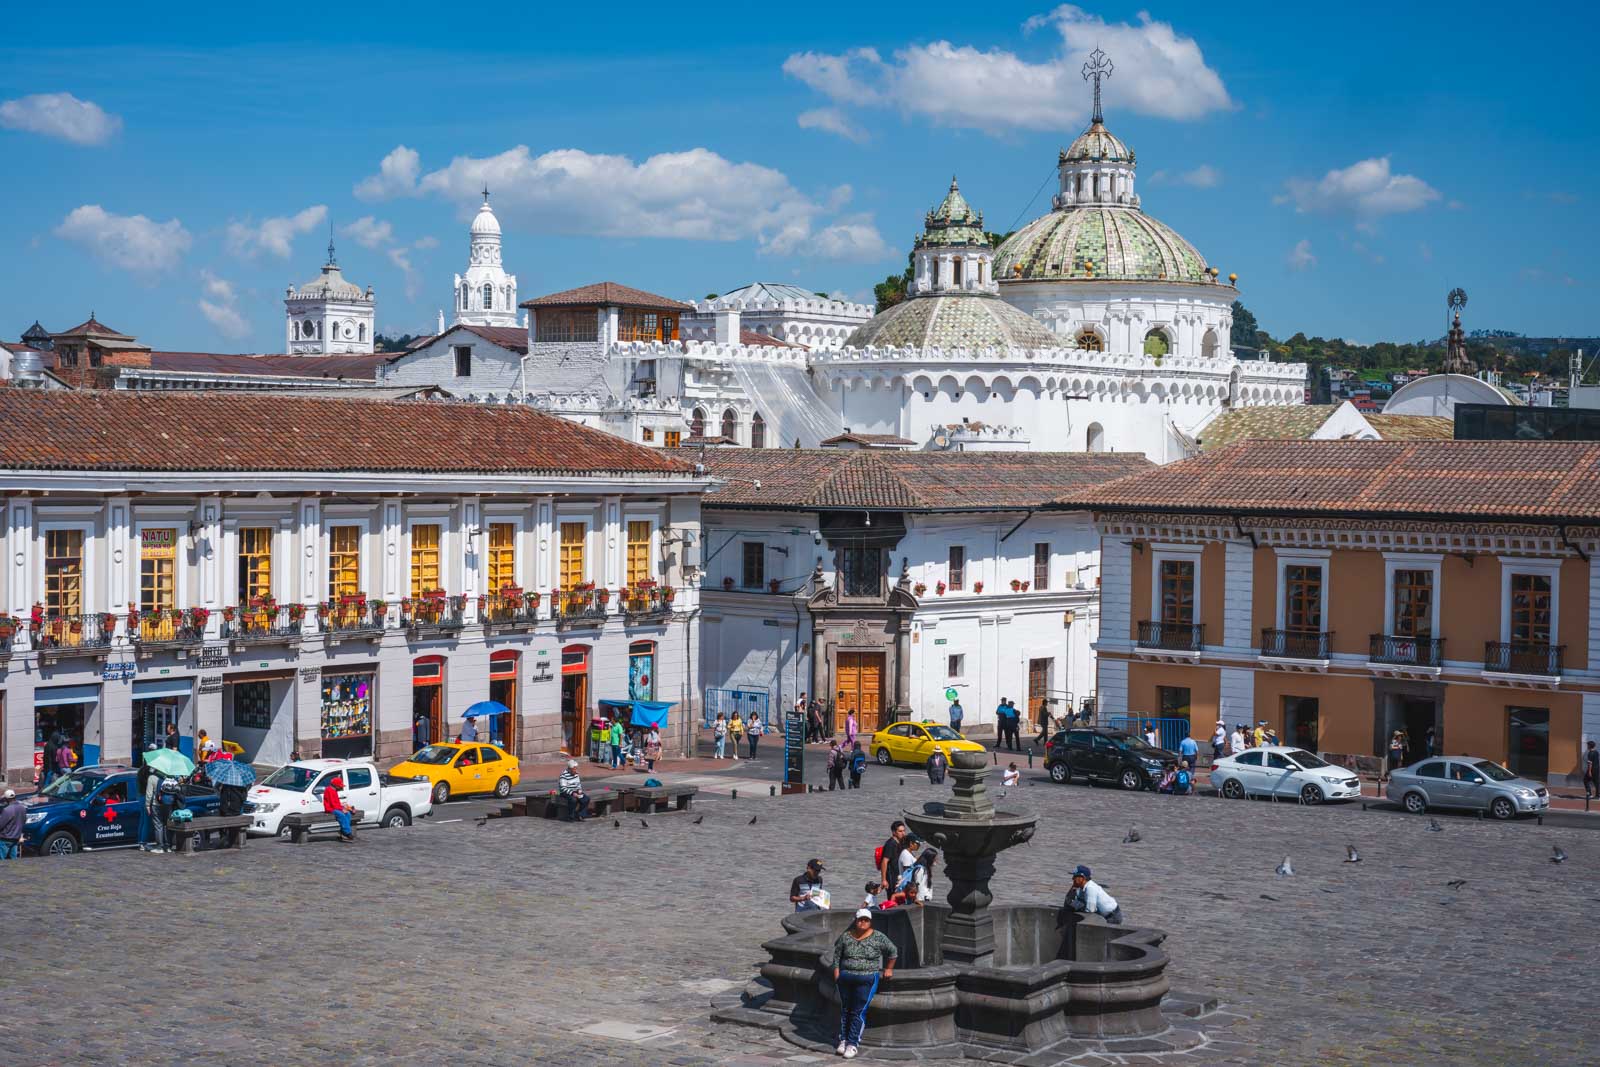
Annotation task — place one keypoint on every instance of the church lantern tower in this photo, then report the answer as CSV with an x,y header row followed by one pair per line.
x,y
485,295
329,315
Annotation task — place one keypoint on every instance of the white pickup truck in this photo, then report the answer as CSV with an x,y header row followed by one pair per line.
x,y
296,789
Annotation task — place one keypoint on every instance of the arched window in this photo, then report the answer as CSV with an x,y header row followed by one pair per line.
x,y
488,298
697,423
955,271
730,424
1089,340
1156,343
361,331
758,431
1208,344
1097,438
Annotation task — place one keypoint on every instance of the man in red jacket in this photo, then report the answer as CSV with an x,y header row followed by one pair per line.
x,y
332,804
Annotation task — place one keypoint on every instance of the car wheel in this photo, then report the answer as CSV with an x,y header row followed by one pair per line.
x,y
1060,773
441,792
1233,789
283,831
884,759
1310,794
502,788
1502,809
60,843
1414,803
396,817
1131,779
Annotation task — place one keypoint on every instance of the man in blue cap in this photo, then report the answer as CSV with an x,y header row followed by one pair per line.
x,y
1087,896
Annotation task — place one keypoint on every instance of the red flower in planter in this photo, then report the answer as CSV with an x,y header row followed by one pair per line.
x,y
939,588
977,587
1016,585
919,589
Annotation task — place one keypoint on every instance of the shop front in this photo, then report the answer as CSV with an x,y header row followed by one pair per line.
x,y
159,703
70,711
574,699
258,715
348,700
503,666
427,702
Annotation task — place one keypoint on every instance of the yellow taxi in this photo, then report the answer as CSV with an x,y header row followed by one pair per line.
x,y
915,742
459,768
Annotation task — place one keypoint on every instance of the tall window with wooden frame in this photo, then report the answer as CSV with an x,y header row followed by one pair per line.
x,y
158,569
424,559
1413,604
255,563
755,565
1302,603
573,535
758,431
344,561
563,324
63,572
672,438
958,567
1041,565
638,557
502,555
1531,599
1177,592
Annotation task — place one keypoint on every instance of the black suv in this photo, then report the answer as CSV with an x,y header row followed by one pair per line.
x,y
1106,755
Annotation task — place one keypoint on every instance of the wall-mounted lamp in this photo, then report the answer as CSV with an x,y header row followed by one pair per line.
x,y
1138,546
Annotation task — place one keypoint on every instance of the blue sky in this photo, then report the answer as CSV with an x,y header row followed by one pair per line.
x,y
175,171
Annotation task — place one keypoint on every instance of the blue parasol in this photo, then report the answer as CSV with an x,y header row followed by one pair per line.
x,y
229,772
485,709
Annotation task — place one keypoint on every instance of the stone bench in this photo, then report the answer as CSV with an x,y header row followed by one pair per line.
x,y
550,804
301,824
657,798
182,834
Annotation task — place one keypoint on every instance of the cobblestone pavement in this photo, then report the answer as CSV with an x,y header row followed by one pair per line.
x,y
501,943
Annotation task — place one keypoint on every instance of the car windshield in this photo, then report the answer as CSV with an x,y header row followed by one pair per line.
x,y
295,779
1131,743
1493,771
1307,760
943,733
435,755
75,785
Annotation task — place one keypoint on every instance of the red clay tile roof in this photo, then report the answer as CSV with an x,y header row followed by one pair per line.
x,y
210,431
1527,481
909,481
94,328
756,337
514,338
851,438
354,367
607,294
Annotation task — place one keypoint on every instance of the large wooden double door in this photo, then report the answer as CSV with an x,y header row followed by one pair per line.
x,y
858,687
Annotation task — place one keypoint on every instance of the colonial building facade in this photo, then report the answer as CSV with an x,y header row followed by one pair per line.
x,y
321,594
1346,590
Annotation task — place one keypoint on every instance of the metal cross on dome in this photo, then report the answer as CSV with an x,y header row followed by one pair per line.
x,y
1098,68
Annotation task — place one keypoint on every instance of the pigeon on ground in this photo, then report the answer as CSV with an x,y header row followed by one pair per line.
x,y
1455,883
1433,824
483,821
644,824
616,824
752,821
1351,855
1265,897
1285,869
1557,854
698,819
1131,837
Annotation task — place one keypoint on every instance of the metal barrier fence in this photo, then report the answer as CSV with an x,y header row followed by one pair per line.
x,y
746,702
1168,731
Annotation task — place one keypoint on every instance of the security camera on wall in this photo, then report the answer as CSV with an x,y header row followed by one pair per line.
x,y
816,537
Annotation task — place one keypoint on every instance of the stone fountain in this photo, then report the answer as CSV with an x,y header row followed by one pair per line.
x,y
974,980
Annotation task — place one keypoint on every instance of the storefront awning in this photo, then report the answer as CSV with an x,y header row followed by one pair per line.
x,y
65,694
163,687
639,712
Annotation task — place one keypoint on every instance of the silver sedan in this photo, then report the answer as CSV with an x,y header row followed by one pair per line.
x,y
1466,782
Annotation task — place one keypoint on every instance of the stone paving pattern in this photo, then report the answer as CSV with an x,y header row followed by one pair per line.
x,y
461,943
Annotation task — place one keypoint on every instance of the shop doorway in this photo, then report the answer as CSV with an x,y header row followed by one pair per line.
x,y
257,716
858,687
347,715
1413,716
1528,742
427,701
575,699
66,717
150,721
1300,722
1039,671
503,667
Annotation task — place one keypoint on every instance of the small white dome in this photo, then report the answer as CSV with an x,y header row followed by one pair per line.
x,y
485,224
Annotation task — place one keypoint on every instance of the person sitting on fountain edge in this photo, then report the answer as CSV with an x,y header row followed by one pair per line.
x,y
1087,896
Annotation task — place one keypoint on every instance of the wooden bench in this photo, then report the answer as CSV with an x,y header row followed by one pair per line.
x,y
183,834
300,824
659,798
550,804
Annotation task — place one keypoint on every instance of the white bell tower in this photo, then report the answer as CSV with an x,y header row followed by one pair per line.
x,y
485,295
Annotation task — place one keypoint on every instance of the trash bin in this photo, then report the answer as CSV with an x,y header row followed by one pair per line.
x,y
599,730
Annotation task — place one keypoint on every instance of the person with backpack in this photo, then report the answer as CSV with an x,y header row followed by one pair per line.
x,y
858,763
836,764
916,882
1183,781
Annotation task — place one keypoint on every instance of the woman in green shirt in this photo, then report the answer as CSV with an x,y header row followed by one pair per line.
x,y
859,957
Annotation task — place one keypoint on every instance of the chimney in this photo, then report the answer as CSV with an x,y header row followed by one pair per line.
x,y
727,319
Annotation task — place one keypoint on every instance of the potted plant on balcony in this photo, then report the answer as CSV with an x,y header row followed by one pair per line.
x,y
1016,585
108,623
8,627
36,617
668,593
324,609
919,589
727,584
772,585
297,613
198,617
133,620
604,596
380,610
977,587
228,612
939,587
1025,586
531,600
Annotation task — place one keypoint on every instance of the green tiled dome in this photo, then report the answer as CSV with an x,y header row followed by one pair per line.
x,y
953,223
1121,243
958,320
1095,144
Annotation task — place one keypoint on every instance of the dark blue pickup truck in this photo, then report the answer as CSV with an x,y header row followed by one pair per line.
x,y
95,807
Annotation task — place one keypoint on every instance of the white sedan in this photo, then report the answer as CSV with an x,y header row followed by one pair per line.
x,y
1283,771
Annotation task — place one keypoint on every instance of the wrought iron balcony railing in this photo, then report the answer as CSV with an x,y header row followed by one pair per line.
x,y
647,602
1172,636
350,615
433,614
580,607
509,607
1295,644
260,624
1406,651
1523,657
170,627
85,632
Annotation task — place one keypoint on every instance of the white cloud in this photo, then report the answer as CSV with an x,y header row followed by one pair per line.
x,y
275,235
221,311
1158,72
401,258
425,242
832,120
397,176
1205,176
369,232
1366,189
60,115
692,195
132,242
1300,256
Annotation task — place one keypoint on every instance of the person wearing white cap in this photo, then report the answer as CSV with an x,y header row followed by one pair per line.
x,y
860,958
570,786
12,817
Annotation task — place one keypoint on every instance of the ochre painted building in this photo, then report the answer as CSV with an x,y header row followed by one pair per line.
x,y
1343,590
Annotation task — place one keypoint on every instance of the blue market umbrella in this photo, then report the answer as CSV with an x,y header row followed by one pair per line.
x,y
229,772
485,709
